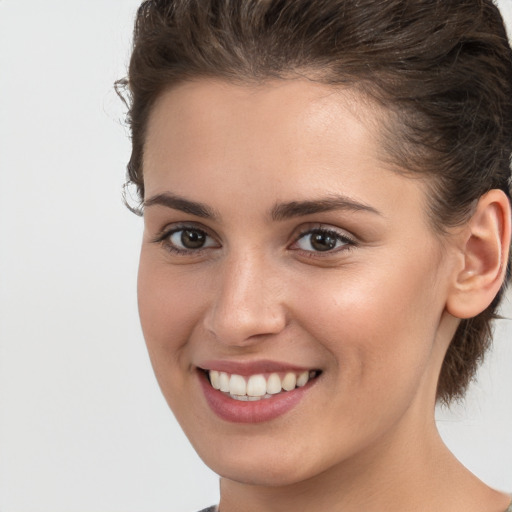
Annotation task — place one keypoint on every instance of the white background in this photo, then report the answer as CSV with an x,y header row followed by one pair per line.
x,y
83,426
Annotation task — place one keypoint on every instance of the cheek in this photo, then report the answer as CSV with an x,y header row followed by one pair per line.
x,y
379,324
169,307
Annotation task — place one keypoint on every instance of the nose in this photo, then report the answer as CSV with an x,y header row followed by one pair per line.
x,y
247,302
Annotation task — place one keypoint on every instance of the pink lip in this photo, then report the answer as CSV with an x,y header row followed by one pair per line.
x,y
266,409
251,368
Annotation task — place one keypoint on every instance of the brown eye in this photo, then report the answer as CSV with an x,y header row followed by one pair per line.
x,y
190,239
322,240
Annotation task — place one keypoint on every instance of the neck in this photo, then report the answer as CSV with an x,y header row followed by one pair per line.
x,y
400,474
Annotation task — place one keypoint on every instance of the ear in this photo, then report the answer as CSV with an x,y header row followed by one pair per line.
x,y
485,252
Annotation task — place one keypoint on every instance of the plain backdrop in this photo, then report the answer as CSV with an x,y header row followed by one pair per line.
x,y
83,426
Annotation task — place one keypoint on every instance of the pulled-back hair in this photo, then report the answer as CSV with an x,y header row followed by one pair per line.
x,y
441,69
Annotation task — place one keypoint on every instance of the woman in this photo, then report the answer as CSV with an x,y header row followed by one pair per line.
x,y
325,190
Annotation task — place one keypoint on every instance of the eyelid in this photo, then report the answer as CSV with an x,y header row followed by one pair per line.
x,y
163,237
341,234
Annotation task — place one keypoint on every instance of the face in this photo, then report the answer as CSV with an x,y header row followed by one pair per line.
x,y
283,263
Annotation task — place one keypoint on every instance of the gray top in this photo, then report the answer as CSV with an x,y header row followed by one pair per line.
x,y
214,509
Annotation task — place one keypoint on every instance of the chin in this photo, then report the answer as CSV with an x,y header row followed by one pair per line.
x,y
262,460
264,473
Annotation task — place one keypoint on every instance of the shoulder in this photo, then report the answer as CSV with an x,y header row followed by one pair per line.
x,y
214,509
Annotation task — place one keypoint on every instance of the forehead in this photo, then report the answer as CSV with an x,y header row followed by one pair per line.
x,y
278,119
286,99
282,140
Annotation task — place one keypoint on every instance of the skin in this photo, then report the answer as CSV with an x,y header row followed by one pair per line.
x,y
372,314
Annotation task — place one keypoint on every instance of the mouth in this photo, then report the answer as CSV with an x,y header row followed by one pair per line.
x,y
260,386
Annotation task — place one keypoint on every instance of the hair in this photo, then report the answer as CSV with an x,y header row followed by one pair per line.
x,y
441,69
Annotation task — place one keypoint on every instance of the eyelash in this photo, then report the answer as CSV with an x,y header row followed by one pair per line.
x,y
348,242
164,239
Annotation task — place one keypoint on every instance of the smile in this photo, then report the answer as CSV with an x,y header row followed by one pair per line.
x,y
258,386
256,391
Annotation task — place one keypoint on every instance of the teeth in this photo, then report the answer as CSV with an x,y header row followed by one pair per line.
x,y
302,379
215,379
237,385
224,382
289,381
245,398
257,386
274,384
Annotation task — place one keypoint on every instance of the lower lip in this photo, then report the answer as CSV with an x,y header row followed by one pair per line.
x,y
266,409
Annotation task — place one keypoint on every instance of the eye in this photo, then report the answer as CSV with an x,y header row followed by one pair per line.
x,y
322,240
187,239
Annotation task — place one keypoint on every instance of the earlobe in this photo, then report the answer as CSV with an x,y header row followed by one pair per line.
x,y
486,247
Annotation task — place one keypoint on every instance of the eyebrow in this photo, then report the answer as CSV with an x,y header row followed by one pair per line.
x,y
292,209
279,212
180,203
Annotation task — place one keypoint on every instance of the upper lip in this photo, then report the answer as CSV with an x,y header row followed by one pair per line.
x,y
251,367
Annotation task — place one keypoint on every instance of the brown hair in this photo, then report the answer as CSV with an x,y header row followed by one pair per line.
x,y
442,69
